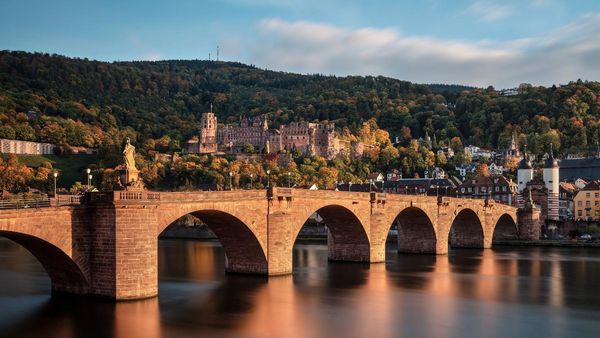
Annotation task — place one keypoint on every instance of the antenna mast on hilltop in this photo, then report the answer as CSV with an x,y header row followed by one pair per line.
x,y
217,52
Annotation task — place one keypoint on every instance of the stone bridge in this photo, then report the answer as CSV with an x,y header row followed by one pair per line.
x,y
108,246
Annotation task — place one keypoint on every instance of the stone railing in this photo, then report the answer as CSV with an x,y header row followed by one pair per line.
x,y
123,195
25,203
62,200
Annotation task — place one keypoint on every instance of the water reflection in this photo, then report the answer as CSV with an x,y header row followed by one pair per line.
x,y
469,293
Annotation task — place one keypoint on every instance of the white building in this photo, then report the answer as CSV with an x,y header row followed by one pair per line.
x,y
25,147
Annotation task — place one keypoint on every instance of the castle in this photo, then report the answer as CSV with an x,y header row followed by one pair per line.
x,y
311,139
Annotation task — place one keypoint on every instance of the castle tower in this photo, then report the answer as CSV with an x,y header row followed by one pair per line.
x,y
552,180
207,143
524,173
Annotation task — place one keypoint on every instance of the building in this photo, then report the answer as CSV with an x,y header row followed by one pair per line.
x,y
496,187
375,177
476,152
545,190
566,195
393,175
311,139
254,131
26,147
464,169
446,151
512,152
207,142
587,202
495,169
585,168
420,186
552,182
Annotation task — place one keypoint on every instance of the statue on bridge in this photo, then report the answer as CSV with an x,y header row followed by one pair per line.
x,y
129,155
128,173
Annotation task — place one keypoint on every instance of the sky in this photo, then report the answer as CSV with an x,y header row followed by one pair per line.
x,y
470,42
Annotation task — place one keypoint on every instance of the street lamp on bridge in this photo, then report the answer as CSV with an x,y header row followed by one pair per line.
x,y
251,180
89,177
55,175
289,179
230,177
268,178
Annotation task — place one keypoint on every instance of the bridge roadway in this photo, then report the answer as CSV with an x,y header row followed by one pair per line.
x,y
108,245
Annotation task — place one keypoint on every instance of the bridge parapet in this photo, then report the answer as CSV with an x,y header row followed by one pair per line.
x,y
123,195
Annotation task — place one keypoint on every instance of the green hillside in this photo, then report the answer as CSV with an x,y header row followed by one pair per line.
x,y
96,104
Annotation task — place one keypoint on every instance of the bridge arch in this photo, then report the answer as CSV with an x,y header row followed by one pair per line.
x,y
505,228
466,230
347,238
416,233
244,252
65,274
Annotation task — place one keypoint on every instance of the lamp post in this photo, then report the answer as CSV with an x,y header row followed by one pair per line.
x,y
268,178
289,179
55,175
230,177
90,182
370,185
89,177
349,186
251,180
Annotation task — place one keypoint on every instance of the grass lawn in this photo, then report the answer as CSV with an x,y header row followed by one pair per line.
x,y
71,167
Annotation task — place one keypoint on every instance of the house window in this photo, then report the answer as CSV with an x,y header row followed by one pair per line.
x,y
579,213
579,203
504,188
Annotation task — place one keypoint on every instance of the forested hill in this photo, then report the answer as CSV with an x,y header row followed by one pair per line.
x,y
80,102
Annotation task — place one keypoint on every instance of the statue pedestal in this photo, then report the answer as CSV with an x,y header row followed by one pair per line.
x,y
128,179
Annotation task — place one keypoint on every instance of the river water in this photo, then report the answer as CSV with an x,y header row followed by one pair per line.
x,y
501,292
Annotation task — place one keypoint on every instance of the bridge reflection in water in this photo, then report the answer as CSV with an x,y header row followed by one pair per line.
x,y
469,293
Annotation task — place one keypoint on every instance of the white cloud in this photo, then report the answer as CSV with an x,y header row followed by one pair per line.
x,y
568,53
489,11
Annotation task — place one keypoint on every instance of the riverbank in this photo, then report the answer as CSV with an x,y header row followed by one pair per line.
x,y
549,243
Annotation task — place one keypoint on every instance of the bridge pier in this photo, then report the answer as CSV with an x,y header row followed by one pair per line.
x,y
124,263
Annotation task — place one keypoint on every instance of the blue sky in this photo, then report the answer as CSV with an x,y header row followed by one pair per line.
x,y
476,42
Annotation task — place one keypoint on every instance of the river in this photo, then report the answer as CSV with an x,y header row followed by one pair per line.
x,y
500,292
